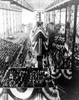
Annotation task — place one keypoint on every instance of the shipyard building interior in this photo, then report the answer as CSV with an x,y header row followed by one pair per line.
x,y
39,50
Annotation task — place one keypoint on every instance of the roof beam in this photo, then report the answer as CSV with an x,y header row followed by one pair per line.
x,y
6,6
21,3
55,4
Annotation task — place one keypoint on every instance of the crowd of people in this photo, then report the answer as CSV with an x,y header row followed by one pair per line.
x,y
53,36
55,42
54,51
8,55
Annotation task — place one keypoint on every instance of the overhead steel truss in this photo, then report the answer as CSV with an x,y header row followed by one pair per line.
x,y
55,4
11,7
21,3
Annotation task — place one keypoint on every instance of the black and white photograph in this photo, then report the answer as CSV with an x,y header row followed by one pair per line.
x,y
39,49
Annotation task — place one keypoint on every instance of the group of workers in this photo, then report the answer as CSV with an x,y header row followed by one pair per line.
x,y
49,31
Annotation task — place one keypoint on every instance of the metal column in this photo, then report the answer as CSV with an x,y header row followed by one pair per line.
x,y
5,94
54,16
74,34
40,16
60,16
49,16
65,23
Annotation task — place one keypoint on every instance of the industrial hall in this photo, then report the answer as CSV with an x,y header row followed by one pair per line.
x,y
39,49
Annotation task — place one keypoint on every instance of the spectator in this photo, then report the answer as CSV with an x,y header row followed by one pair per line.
x,y
51,32
7,59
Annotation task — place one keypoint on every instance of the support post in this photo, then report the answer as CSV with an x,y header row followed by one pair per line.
x,y
65,23
5,94
40,97
39,16
40,57
40,46
74,34
49,16
54,16
60,15
69,20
